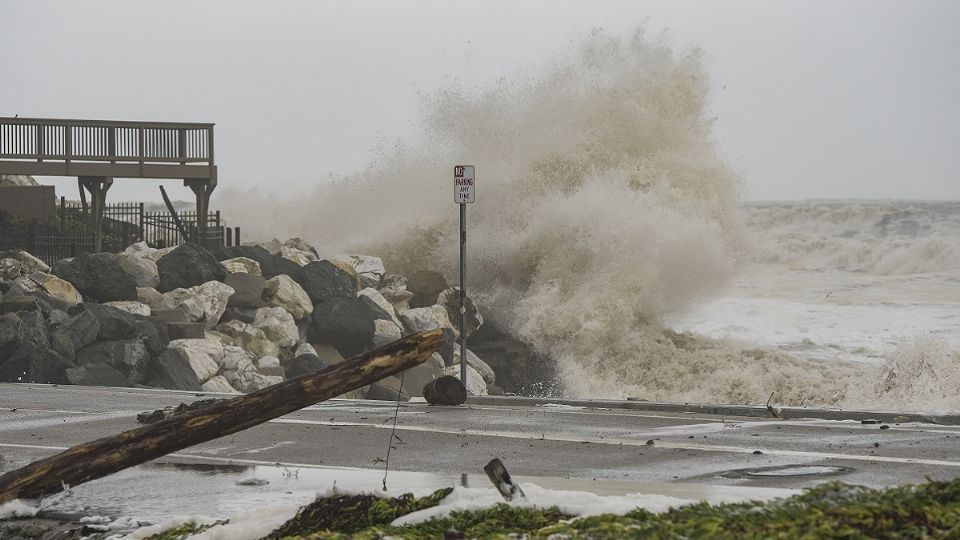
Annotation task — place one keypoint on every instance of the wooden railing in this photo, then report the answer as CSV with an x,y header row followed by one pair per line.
x,y
43,140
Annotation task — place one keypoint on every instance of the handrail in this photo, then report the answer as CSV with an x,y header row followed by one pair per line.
x,y
50,139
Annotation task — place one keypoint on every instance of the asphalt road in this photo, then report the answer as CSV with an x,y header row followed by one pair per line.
x,y
594,449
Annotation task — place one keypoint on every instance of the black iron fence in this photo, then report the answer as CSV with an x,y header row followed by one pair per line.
x,y
123,224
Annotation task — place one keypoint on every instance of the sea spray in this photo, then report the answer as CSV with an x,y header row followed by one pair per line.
x,y
602,207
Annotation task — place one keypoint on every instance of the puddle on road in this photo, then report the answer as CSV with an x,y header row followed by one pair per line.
x,y
788,471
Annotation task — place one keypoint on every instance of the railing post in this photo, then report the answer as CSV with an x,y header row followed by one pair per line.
x,y
63,214
112,143
68,144
182,145
39,142
140,151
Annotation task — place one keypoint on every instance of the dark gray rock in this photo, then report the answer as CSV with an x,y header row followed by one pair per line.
x,y
270,265
187,266
175,315
81,329
13,303
346,323
426,286
25,351
185,330
96,374
118,325
247,290
302,365
129,357
323,280
98,277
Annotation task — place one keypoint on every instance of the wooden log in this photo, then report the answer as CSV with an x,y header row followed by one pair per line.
x,y
108,455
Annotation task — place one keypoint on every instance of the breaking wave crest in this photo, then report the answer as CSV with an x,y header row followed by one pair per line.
x,y
602,206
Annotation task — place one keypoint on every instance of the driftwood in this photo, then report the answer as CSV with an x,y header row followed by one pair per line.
x,y
108,455
176,218
445,390
497,473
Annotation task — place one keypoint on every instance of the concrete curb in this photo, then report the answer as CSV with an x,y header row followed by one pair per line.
x,y
759,411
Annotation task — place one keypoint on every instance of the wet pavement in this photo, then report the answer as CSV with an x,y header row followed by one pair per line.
x,y
344,443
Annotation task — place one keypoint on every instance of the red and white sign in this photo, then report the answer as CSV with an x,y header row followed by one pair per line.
x,y
464,184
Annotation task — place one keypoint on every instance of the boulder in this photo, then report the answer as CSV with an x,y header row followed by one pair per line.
x,y
270,365
75,333
14,303
474,361
385,331
445,390
346,323
158,254
203,303
218,385
475,384
11,269
283,292
300,245
381,301
151,297
238,265
302,363
323,280
425,318
426,286
270,265
129,357
369,269
327,354
247,290
298,256
118,325
450,300
98,277
242,374
185,330
394,290
143,270
96,374
270,246
139,249
135,308
245,335
25,351
59,289
189,265
415,378
188,363
277,325
28,262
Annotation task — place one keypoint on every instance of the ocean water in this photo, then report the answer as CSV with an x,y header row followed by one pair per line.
x,y
611,235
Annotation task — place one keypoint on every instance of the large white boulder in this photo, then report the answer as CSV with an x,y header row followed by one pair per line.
x,y
242,264
245,335
141,269
270,365
242,374
203,303
394,289
283,292
385,305
298,256
476,363
31,263
370,269
425,318
475,383
384,332
17,180
130,306
188,363
278,325
58,288
218,384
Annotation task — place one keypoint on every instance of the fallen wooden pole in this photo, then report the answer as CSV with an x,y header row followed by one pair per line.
x,y
108,455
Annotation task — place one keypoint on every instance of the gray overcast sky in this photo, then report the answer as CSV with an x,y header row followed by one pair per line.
x,y
814,99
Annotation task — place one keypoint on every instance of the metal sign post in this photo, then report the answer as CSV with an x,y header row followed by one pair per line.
x,y
464,191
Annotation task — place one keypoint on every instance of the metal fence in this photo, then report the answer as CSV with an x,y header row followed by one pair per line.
x,y
123,224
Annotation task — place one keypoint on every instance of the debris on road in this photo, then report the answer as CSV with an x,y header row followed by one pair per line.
x,y
169,412
498,474
446,390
